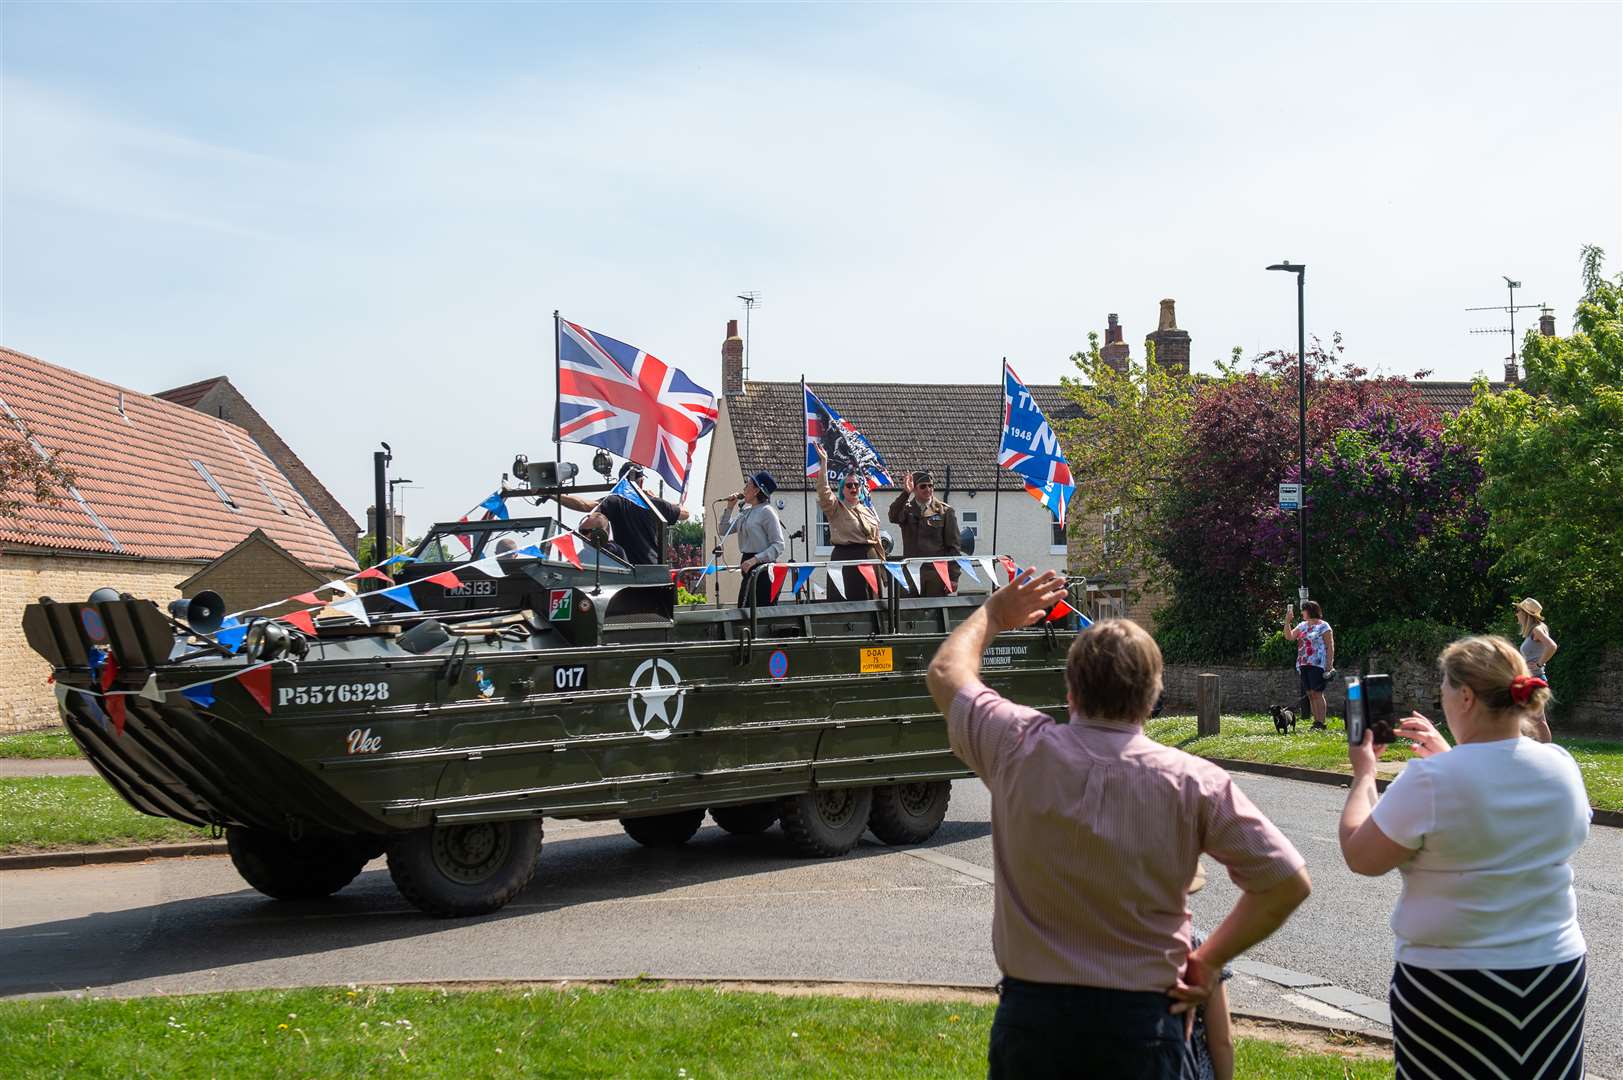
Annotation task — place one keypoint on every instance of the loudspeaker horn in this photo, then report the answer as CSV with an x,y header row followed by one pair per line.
x,y
203,613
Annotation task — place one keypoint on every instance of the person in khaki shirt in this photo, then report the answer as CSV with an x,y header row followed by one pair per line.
x,y
853,527
929,530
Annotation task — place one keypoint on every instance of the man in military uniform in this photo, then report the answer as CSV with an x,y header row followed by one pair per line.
x,y
929,530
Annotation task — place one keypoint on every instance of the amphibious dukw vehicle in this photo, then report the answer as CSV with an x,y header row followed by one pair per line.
x,y
443,736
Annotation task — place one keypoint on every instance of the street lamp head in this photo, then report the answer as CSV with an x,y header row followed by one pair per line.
x,y
1289,267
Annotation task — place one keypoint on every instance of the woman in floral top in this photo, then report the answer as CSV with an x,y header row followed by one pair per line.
x,y
1315,654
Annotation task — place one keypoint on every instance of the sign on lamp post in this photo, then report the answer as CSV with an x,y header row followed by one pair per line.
x,y
1290,496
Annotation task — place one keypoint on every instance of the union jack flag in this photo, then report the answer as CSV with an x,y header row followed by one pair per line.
x,y
1030,448
630,403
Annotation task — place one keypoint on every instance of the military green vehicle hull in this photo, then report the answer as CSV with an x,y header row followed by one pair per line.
x,y
445,749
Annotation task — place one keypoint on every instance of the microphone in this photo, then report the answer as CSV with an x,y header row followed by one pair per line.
x,y
730,498
798,534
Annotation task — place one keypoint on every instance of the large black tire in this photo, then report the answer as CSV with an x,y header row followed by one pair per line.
x,y
909,813
664,830
750,819
304,869
828,821
459,870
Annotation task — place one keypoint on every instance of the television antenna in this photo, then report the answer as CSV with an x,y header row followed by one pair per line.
x,y
1509,309
750,297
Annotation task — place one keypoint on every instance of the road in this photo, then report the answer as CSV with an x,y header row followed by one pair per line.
x,y
721,908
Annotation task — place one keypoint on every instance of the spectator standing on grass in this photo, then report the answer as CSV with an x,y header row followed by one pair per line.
x,y
1537,648
1490,978
1315,655
1096,834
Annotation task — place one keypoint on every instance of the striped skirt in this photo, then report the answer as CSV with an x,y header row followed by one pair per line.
x,y
1503,1025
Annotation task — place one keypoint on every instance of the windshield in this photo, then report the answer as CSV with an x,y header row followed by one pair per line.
x,y
466,542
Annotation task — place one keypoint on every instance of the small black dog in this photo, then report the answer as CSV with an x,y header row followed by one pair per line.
x,y
1284,718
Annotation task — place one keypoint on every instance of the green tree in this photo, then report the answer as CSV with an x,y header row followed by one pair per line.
x,y
1553,461
1123,451
29,474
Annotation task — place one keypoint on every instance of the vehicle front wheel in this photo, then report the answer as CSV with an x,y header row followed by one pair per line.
x,y
460,870
828,821
751,819
304,869
664,830
909,813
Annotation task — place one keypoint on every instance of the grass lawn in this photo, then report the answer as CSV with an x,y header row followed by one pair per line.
x,y
41,812
629,1030
1252,738
38,744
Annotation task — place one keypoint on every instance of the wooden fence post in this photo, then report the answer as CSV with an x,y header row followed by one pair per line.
x,y
1208,704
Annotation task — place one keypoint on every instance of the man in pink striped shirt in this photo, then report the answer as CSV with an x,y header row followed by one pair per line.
x,y
1096,833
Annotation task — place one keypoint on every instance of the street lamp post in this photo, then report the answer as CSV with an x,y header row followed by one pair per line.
x,y
1300,270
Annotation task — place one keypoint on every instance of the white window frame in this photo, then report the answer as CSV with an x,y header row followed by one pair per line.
x,y
821,544
1056,529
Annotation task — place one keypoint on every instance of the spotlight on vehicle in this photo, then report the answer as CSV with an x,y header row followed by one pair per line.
x,y
203,613
269,640
104,595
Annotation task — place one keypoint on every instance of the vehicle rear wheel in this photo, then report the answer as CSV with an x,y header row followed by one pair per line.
x,y
751,819
826,822
304,869
909,813
664,830
460,870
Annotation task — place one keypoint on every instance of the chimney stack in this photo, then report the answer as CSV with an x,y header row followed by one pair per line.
x,y
1546,322
732,361
1114,351
1171,344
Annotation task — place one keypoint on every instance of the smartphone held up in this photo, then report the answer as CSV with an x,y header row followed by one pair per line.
x,y
1369,708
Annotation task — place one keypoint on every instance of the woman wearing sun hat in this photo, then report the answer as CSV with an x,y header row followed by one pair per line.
x,y
1537,647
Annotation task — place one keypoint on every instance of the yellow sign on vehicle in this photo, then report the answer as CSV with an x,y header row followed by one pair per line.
x,y
877,659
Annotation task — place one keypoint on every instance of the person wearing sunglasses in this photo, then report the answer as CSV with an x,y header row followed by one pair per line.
x,y
853,527
929,531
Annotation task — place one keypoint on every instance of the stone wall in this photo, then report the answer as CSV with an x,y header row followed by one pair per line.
x,y
1598,712
26,700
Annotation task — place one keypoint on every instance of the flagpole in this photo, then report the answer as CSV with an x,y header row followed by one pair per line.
x,y
810,532
557,396
997,474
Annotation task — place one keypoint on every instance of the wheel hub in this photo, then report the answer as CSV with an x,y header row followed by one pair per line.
x,y
914,798
836,805
469,854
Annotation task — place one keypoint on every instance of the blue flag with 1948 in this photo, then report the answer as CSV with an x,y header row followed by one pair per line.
x,y
1030,448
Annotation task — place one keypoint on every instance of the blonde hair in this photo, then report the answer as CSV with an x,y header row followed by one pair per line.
x,y
1488,665
1114,671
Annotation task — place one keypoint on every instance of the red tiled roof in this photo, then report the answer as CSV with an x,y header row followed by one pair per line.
x,y
140,493
190,394
1448,397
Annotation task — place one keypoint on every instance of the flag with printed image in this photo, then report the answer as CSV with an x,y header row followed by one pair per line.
x,y
629,402
847,448
1031,450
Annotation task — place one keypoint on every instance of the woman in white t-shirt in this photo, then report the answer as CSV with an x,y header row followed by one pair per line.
x,y
1490,977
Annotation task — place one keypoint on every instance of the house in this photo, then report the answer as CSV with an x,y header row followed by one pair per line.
x,y
220,399
952,429
162,492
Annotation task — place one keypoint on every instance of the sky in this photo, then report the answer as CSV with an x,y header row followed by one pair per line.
x,y
365,215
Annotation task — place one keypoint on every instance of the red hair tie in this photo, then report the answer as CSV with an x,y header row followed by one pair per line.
x,y
1522,687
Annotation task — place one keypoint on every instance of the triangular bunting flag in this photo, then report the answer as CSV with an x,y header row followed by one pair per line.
x,y
1009,567
818,592
1059,612
257,681
565,545
836,581
150,691
374,572
305,598
802,575
302,620
447,578
488,566
109,672
401,594
115,709
394,559
708,570
941,572
231,637
871,576
340,586
496,505
779,573
355,608
969,567
898,573
199,695
533,551
991,578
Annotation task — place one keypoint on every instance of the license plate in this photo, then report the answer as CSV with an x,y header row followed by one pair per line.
x,y
472,588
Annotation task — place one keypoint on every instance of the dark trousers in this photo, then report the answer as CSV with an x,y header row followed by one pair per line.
x,y
762,584
1047,1030
856,586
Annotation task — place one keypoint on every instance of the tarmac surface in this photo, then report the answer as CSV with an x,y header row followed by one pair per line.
x,y
722,907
